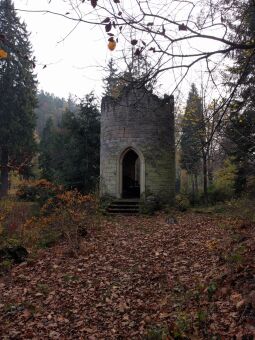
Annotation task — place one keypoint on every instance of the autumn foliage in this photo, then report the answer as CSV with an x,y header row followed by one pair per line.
x,y
64,216
38,191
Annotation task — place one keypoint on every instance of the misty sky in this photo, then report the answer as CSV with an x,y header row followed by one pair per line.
x,y
74,65
75,56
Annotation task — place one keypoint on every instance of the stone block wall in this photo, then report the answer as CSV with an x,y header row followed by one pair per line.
x,y
140,120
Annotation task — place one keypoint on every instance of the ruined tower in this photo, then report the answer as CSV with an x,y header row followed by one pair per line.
x,y
137,157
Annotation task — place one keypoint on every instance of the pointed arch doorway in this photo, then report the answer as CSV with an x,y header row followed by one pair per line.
x,y
131,174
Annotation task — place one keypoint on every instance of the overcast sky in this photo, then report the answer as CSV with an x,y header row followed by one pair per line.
x,y
75,62
74,65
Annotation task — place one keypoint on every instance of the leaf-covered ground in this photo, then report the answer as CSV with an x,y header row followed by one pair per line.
x,y
138,277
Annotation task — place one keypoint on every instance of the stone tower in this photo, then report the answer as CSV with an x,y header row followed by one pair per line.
x,y
137,157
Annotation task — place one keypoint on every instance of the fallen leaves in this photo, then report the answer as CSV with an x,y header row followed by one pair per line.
x,y
135,275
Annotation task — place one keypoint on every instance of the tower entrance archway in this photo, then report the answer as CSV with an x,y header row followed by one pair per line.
x,y
131,175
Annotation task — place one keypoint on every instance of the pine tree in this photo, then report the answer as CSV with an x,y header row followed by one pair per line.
x,y
241,126
241,132
137,74
191,150
48,151
69,154
111,79
17,93
80,167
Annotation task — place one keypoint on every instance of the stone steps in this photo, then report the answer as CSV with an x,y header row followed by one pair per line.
x,y
129,207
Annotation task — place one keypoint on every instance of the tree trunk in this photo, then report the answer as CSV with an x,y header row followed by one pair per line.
x,y
205,178
196,185
193,188
210,174
4,173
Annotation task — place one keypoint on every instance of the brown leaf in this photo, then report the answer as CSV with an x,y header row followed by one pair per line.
x,y
182,27
108,27
93,3
134,42
125,317
2,37
27,314
138,52
106,20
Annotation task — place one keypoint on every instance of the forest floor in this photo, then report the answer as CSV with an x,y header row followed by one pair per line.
x,y
138,278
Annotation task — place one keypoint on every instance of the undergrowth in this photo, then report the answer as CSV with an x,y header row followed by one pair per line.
x,y
53,215
242,208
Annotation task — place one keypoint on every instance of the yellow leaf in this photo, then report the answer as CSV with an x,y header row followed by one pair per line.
x,y
3,54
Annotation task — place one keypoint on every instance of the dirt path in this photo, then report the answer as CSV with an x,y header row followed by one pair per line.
x,y
136,276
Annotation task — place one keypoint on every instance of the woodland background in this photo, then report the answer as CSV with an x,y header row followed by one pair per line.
x,y
68,268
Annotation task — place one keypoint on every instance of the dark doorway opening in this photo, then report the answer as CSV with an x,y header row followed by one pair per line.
x,y
131,175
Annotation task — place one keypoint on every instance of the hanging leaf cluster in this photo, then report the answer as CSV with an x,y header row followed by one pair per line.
x,y
3,54
110,23
111,44
94,2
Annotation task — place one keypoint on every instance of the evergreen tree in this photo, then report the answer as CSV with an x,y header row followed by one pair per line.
x,y
241,132
70,154
17,93
50,106
48,150
137,74
111,79
241,126
80,168
191,151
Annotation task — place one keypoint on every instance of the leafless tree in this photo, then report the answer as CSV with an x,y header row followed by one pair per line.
x,y
176,34
179,33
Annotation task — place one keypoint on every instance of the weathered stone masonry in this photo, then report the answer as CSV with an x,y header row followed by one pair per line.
x,y
141,121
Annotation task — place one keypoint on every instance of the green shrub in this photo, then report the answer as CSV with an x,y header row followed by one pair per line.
x,y
104,203
182,326
223,185
5,266
243,207
250,186
211,290
236,256
157,333
216,195
149,204
182,202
